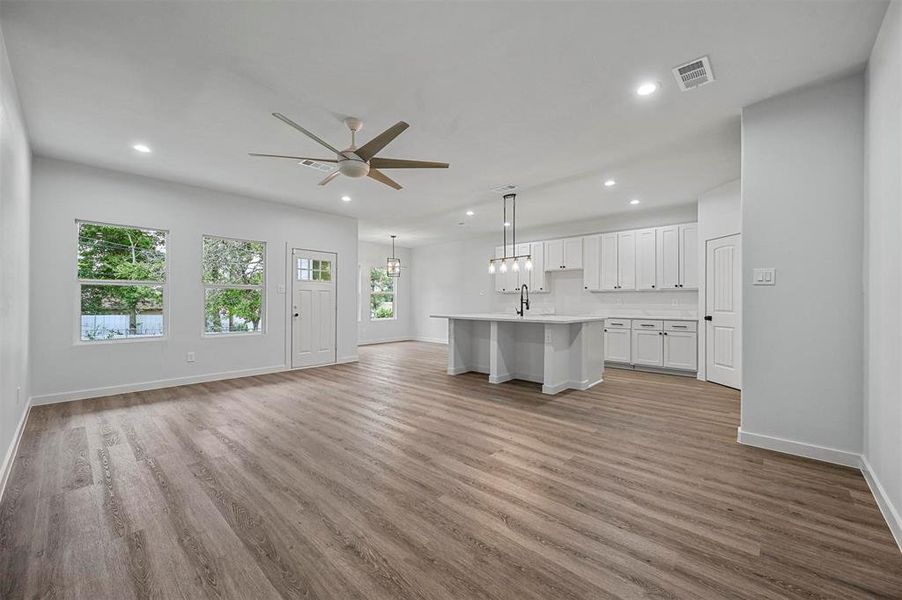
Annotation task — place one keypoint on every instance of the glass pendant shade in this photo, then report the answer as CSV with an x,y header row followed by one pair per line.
x,y
528,264
393,264
516,266
491,268
503,268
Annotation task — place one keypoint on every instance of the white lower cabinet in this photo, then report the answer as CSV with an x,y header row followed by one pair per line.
x,y
680,350
647,349
617,345
652,343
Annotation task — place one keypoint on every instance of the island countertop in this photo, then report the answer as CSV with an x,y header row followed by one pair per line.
x,y
509,318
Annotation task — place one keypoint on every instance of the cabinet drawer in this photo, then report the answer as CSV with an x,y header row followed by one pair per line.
x,y
680,325
617,323
642,324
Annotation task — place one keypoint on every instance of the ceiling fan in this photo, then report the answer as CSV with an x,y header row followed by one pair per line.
x,y
359,162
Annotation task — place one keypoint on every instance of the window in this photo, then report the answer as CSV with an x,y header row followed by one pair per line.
x,y
309,269
233,280
122,281
382,294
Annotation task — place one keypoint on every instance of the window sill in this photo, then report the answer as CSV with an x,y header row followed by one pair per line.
x,y
128,340
230,334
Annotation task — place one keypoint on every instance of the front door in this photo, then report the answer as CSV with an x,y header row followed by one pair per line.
x,y
723,303
312,308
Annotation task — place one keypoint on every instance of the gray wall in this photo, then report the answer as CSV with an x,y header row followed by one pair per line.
x,y
371,255
883,262
802,196
15,198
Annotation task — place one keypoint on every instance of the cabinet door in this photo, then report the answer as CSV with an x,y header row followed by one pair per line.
x,y
608,275
626,260
680,350
554,255
591,262
646,258
573,253
521,275
537,275
689,256
617,345
668,262
648,348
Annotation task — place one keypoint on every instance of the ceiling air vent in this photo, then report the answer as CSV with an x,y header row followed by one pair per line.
x,y
694,74
504,189
325,168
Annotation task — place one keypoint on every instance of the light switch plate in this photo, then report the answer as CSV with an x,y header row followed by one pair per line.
x,y
764,276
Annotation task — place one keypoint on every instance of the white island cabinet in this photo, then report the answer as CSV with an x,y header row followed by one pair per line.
x,y
560,352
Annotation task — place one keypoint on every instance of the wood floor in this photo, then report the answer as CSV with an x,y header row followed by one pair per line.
x,y
390,479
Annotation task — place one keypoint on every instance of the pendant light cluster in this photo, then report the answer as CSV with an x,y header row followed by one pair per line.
x,y
393,264
512,261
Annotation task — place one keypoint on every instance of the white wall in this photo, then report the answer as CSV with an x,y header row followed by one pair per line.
x,y
883,270
719,215
15,181
453,277
371,255
802,197
63,192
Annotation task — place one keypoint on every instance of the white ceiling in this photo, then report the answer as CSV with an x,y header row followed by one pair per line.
x,y
536,94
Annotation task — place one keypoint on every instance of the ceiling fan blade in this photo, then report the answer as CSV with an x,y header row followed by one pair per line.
x,y
330,177
400,163
383,178
369,149
322,160
312,136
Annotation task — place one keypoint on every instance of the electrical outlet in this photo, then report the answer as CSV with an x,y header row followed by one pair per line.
x,y
281,288
190,357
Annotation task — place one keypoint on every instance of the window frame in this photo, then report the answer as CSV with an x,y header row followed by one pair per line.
x,y
231,286
394,295
79,282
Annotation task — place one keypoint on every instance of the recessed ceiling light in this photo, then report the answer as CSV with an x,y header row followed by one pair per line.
x,y
345,198
647,88
634,201
144,148
610,183
470,213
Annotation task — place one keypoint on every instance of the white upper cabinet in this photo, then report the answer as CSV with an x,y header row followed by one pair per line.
x,y
646,259
608,271
573,253
554,255
537,275
689,256
564,255
626,260
591,262
668,257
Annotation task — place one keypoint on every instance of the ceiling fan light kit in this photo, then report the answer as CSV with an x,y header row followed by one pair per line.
x,y
514,258
359,162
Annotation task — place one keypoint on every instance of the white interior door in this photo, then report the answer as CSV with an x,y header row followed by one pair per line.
x,y
312,308
723,305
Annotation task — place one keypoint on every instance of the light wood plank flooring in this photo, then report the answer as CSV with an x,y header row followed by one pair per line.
x,y
390,479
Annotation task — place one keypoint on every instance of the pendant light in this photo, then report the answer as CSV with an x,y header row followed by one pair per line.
x,y
513,258
393,264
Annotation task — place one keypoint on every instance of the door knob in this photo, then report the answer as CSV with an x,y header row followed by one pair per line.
x,y
297,314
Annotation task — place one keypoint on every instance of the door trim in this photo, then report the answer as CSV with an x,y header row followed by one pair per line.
x,y
287,311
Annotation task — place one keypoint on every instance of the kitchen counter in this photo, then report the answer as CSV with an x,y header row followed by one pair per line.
x,y
559,351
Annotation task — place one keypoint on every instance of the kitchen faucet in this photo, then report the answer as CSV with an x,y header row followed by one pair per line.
x,y
523,289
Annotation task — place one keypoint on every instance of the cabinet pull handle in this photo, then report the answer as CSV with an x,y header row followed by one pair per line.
x,y
646,325
679,326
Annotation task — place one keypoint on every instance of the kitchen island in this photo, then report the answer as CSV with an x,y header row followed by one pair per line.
x,y
559,351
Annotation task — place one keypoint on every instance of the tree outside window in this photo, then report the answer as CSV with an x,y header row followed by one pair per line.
x,y
233,277
122,278
382,295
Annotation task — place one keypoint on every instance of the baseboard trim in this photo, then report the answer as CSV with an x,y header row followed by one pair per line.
x,y
890,514
404,338
346,359
13,449
822,453
430,340
156,384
